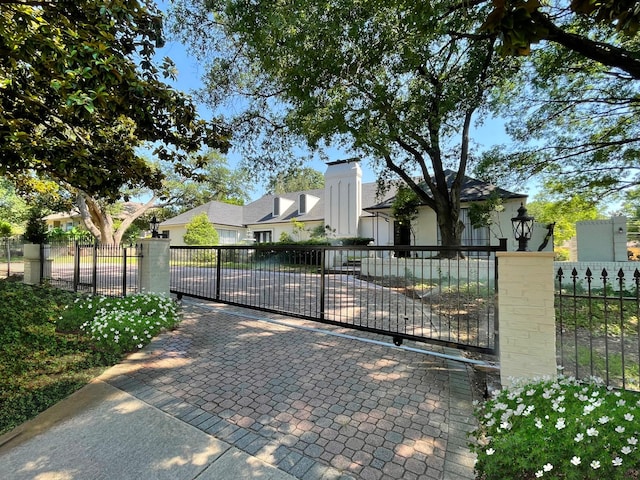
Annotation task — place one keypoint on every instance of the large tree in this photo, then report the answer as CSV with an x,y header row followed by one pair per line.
x,y
386,80
80,92
215,181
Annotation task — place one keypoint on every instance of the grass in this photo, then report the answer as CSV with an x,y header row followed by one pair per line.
x,y
593,364
45,353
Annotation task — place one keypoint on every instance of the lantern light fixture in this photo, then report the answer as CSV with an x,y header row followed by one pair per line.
x,y
522,228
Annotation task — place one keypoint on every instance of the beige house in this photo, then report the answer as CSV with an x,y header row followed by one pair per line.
x,y
349,207
64,220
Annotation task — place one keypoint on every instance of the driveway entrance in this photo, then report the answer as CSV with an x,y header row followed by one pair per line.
x,y
316,406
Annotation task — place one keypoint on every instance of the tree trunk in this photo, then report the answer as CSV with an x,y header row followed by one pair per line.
x,y
100,223
451,235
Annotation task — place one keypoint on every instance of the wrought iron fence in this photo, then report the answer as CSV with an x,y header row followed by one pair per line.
x,y
427,294
110,270
11,251
598,332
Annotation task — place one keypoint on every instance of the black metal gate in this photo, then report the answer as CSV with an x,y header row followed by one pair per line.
x,y
426,294
90,267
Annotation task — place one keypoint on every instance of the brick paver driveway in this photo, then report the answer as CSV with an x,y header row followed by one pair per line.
x,y
315,405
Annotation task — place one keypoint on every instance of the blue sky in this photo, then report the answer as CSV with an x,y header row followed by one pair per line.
x,y
189,79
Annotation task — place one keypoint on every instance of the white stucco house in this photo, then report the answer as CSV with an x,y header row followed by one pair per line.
x,y
349,207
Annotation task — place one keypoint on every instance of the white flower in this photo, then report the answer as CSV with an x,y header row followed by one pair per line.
x,y
628,417
616,462
595,464
632,441
579,437
620,429
548,467
603,420
626,450
140,345
576,461
539,473
621,403
592,432
539,423
490,451
560,424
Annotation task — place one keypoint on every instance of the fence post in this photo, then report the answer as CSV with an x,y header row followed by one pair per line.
x,y
527,346
32,264
153,267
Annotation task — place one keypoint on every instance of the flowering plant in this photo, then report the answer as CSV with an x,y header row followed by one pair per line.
x,y
558,429
124,324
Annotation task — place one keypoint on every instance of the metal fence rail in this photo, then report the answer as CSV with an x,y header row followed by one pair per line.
x,y
110,270
426,294
598,332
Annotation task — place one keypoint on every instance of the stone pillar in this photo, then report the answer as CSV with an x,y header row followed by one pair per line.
x,y
527,329
153,267
32,264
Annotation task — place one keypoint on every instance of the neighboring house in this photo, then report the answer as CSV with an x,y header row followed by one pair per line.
x,y
350,208
64,220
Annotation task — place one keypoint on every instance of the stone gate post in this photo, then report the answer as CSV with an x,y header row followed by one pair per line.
x,y
36,268
527,331
153,267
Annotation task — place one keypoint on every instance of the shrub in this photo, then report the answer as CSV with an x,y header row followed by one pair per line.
x,y
36,230
356,241
200,231
123,324
561,430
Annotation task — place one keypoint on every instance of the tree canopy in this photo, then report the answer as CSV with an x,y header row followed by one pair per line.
x,y
564,213
214,181
79,93
577,26
295,179
387,81
573,110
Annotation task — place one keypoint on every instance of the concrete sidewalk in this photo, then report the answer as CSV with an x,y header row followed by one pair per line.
x,y
235,394
100,432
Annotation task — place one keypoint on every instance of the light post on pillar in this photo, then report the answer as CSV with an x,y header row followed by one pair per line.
x,y
522,228
153,225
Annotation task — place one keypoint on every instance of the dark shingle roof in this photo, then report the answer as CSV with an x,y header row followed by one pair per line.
x,y
473,190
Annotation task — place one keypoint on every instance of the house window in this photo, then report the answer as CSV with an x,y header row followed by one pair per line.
x,y
303,204
165,234
262,236
227,237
